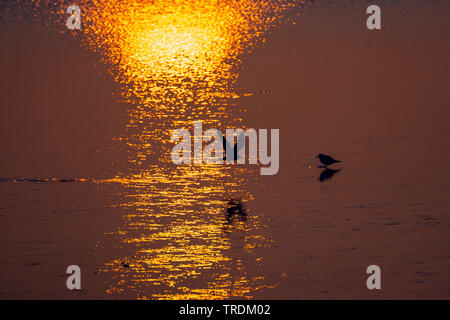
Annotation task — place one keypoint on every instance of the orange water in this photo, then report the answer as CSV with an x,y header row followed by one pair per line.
x,y
98,105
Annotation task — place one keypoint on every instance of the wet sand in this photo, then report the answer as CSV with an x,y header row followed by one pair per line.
x,y
86,178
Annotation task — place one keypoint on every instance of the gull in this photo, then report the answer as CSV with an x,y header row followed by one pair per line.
x,y
326,160
237,146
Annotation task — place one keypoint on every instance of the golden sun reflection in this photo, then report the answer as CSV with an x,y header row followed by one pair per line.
x,y
178,61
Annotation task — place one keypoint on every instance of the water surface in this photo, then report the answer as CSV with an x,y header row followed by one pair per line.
x,y
87,179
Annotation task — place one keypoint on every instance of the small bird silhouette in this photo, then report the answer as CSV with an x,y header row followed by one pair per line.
x,y
327,160
237,146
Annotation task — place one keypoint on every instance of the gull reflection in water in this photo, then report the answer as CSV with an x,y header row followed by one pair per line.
x,y
327,174
235,210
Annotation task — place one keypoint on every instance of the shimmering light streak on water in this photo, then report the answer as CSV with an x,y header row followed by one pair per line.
x,y
177,61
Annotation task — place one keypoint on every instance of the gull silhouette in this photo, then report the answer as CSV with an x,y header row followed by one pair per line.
x,y
237,146
326,160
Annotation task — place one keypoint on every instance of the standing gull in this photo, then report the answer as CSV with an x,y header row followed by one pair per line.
x,y
327,160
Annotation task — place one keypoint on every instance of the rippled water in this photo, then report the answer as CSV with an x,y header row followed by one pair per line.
x,y
177,62
153,230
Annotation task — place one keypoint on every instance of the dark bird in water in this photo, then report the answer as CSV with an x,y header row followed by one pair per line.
x,y
327,160
226,146
125,265
327,174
